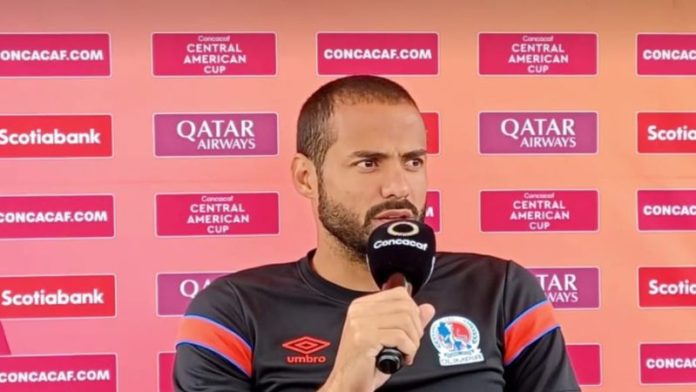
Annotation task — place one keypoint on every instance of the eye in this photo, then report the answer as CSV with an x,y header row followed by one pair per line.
x,y
415,163
367,164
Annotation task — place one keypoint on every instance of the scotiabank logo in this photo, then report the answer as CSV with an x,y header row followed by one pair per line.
x,y
57,296
59,373
432,127
80,216
666,210
307,347
537,133
252,134
213,54
667,132
378,53
668,363
570,288
537,54
36,55
587,363
165,369
217,214
666,54
667,286
539,210
55,136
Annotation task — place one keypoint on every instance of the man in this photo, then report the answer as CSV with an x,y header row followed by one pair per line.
x,y
480,324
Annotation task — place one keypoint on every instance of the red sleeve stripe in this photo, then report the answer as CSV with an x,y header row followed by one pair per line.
x,y
203,332
527,328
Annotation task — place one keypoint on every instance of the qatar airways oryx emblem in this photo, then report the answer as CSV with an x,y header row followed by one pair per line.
x,y
457,340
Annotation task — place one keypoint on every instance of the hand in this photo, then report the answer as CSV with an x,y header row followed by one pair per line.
x,y
388,318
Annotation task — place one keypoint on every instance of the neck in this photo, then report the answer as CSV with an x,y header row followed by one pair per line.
x,y
333,262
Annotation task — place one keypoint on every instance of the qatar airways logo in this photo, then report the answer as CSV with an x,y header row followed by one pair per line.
x,y
176,290
666,54
239,134
667,133
57,296
667,286
570,288
667,210
537,133
55,136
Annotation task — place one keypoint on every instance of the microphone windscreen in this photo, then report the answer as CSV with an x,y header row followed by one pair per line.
x,y
402,246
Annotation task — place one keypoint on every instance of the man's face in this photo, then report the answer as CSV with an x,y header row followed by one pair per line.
x,y
374,172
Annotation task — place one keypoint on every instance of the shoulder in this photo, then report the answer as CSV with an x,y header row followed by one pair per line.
x,y
452,262
269,277
486,268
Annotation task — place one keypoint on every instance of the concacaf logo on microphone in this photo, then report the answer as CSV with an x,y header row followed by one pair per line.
x,y
402,229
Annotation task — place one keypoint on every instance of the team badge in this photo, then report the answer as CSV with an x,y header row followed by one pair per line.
x,y
457,340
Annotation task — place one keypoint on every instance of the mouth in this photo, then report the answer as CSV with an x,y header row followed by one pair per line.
x,y
392,215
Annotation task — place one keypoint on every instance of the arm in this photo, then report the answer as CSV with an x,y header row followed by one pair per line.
x,y
535,357
212,351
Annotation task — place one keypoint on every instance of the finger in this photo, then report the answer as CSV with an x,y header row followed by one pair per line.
x,y
390,315
395,293
426,313
400,340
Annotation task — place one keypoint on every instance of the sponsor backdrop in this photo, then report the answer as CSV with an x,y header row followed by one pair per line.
x,y
145,150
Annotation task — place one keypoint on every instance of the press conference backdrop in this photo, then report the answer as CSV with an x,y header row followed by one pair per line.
x,y
145,150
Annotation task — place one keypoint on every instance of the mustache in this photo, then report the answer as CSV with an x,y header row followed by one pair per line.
x,y
390,205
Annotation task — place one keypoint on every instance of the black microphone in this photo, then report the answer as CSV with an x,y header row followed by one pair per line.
x,y
400,253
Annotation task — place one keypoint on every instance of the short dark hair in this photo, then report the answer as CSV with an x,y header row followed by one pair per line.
x,y
313,136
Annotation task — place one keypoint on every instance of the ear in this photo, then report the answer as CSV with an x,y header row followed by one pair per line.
x,y
304,176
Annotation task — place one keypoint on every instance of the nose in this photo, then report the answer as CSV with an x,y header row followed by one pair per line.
x,y
395,184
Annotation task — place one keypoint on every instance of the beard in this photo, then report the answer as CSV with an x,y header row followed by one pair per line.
x,y
349,229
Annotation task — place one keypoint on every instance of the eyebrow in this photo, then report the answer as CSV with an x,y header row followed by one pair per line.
x,y
380,155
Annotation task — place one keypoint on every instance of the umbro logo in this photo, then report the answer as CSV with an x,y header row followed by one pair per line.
x,y
307,346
